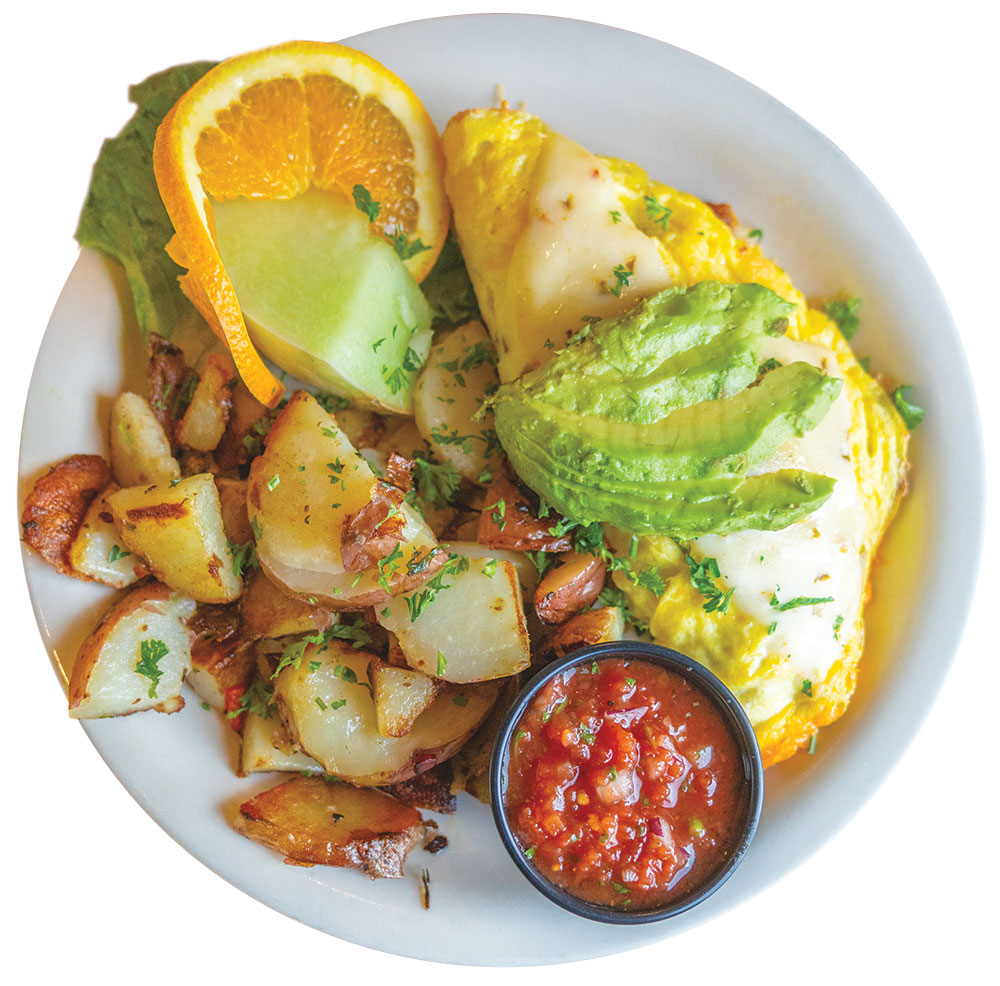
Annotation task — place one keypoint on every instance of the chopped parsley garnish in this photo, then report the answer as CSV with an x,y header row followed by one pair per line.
x,y
844,311
150,654
499,515
702,575
657,212
756,235
388,565
395,379
767,366
115,553
912,414
412,360
405,247
622,277
461,701
332,402
340,703
798,601
616,216
490,568
257,699
476,355
442,663
630,682
377,343
865,362
363,200
542,560
772,628
529,852
244,556
587,735
436,482
651,579
837,624
257,528
807,688
273,482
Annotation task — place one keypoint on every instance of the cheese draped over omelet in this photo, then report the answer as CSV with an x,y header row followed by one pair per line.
x,y
553,235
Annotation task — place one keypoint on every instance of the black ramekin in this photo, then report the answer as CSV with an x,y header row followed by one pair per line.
x,y
739,726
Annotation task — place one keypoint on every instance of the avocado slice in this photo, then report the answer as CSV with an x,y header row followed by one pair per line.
x,y
652,420
710,439
679,347
686,509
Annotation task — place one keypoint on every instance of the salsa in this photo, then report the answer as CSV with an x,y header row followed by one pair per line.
x,y
624,783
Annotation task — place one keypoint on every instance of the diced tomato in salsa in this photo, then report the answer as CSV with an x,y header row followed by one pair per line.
x,y
624,783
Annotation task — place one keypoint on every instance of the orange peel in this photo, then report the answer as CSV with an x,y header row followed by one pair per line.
x,y
268,125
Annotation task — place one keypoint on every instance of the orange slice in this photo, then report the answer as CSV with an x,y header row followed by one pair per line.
x,y
268,125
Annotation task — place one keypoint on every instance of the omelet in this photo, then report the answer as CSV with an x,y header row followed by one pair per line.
x,y
554,236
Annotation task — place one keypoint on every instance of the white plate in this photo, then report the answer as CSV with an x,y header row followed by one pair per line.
x,y
701,129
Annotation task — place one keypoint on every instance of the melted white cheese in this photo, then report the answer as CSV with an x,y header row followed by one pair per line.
x,y
821,555
563,265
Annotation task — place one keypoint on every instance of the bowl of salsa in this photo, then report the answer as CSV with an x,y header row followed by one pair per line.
x,y
626,782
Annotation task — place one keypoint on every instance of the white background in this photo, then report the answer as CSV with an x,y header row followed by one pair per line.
x,y
906,892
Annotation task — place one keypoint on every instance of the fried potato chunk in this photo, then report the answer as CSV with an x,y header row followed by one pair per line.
x,y
135,658
140,448
205,420
55,509
178,528
314,821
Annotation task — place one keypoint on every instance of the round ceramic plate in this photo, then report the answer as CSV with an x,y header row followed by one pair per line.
x,y
699,128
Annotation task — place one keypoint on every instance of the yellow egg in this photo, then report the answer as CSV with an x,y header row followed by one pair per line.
x,y
553,234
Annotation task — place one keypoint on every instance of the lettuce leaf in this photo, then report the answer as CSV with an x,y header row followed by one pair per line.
x,y
123,215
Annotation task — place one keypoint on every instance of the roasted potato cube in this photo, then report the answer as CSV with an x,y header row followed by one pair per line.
x,y
593,626
459,374
97,552
270,612
171,382
178,529
57,506
466,625
135,658
304,491
363,428
267,746
431,790
140,449
328,706
222,655
205,419
248,422
509,519
313,820
233,503
400,696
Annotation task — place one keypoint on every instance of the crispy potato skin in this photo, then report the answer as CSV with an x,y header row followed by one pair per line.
x,y
516,527
592,626
169,378
570,587
430,790
313,821
56,506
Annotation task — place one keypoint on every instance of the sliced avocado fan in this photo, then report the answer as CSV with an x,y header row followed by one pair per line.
x,y
651,421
